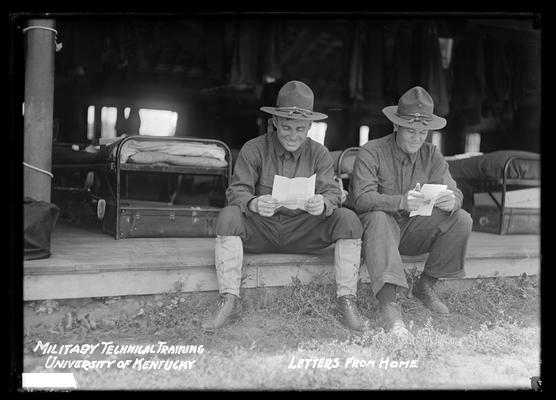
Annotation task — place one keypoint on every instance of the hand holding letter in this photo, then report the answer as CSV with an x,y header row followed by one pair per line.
x,y
446,200
413,199
265,205
315,205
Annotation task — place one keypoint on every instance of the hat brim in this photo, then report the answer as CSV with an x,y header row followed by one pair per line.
x,y
435,124
314,116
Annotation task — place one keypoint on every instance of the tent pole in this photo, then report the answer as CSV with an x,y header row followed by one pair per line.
x,y
38,108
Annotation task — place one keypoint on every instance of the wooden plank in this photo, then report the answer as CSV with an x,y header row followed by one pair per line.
x,y
92,264
154,281
90,252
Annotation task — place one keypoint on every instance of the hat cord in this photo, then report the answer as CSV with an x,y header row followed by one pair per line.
x,y
294,109
416,117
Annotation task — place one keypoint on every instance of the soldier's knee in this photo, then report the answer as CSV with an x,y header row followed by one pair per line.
x,y
229,221
372,219
463,222
347,221
464,219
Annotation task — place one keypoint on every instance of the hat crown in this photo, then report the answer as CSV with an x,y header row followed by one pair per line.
x,y
416,101
295,94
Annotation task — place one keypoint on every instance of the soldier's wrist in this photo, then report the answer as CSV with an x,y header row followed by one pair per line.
x,y
402,205
254,205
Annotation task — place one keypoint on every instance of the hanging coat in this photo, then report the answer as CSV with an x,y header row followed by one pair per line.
x,y
272,63
469,85
432,75
373,78
245,69
356,64
498,77
400,77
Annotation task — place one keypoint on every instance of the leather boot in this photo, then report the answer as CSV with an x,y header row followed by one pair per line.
x,y
349,315
227,311
391,319
424,291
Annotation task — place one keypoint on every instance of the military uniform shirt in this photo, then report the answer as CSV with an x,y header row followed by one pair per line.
x,y
383,173
263,157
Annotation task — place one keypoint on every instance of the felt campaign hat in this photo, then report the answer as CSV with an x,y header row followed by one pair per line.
x,y
415,110
295,100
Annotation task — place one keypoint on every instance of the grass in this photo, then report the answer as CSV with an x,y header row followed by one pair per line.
x,y
491,339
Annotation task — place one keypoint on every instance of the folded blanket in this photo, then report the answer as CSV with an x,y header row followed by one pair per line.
x,y
191,149
491,166
153,157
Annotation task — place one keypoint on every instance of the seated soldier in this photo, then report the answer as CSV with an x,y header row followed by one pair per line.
x,y
254,221
384,189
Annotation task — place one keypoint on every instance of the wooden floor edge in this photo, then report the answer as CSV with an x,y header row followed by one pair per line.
x,y
142,282
167,266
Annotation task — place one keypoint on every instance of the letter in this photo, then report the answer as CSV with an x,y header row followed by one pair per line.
x,y
49,361
336,363
327,363
191,362
94,347
75,349
404,364
160,346
384,362
138,362
84,349
200,349
348,362
104,345
414,364
292,366
394,364
41,346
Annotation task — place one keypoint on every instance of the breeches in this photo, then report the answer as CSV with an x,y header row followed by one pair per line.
x,y
292,234
385,238
284,233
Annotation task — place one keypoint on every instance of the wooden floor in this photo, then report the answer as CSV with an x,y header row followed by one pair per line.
x,y
89,263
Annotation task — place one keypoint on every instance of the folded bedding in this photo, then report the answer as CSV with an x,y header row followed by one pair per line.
x,y
153,157
171,152
474,165
491,166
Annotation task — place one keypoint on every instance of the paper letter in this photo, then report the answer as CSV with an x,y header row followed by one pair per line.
x,y
430,192
292,193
